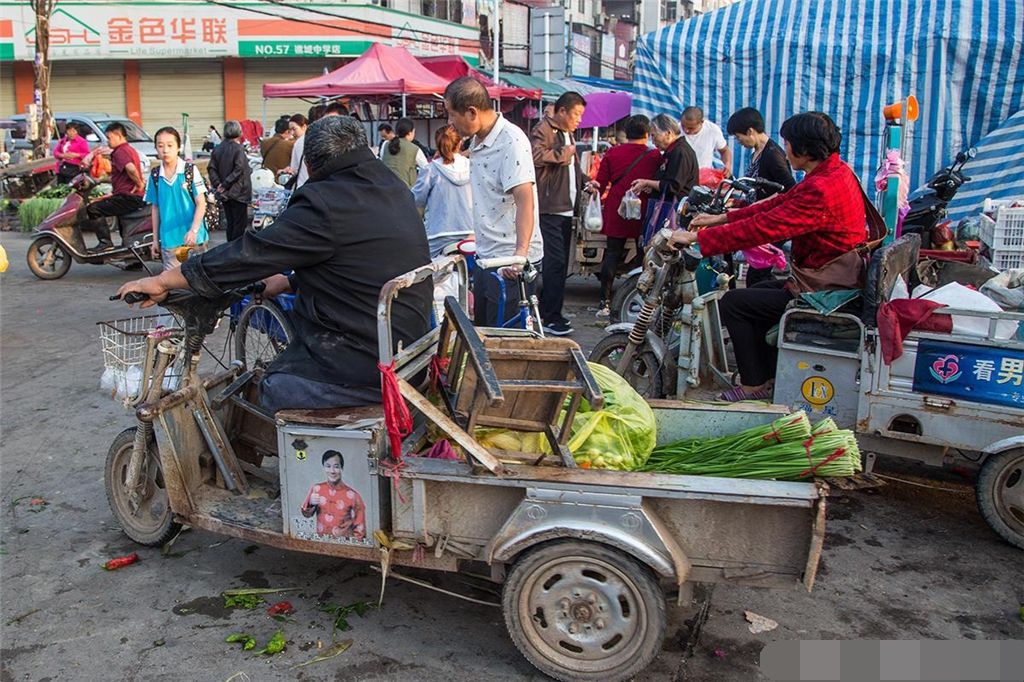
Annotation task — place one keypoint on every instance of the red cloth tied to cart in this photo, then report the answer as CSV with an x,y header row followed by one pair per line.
x,y
397,419
897,318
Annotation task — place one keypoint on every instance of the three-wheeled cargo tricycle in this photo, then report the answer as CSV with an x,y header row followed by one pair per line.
x,y
952,398
949,398
586,557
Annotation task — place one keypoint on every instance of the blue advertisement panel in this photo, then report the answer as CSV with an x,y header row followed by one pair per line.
x,y
976,373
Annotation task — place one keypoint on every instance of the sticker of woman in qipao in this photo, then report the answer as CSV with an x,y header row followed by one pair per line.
x,y
339,510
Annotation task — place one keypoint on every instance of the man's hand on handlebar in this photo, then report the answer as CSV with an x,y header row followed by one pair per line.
x,y
509,268
708,220
156,287
276,284
148,286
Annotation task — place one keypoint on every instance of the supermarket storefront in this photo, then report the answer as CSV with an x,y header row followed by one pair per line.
x,y
154,61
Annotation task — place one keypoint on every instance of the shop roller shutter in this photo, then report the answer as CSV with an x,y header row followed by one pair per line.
x,y
88,87
259,72
194,86
8,104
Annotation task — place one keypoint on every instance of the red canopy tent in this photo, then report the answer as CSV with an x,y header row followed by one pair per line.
x,y
381,70
451,67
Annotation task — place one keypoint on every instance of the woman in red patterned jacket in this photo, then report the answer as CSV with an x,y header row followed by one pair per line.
x,y
824,216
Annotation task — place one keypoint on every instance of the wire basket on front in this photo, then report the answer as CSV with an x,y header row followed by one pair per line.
x,y
128,345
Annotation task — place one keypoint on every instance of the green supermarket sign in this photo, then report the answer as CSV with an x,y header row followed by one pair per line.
x,y
302,48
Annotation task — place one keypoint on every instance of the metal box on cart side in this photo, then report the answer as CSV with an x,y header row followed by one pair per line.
x,y
819,365
309,456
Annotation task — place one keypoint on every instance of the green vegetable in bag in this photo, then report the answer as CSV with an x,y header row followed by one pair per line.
x,y
619,436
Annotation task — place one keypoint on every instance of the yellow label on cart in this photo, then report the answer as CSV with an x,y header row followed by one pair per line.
x,y
817,391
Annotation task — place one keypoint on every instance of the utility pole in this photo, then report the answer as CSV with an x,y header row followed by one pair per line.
x,y
497,40
43,10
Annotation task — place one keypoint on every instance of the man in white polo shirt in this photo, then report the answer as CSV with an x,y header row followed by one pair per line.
x,y
505,218
706,138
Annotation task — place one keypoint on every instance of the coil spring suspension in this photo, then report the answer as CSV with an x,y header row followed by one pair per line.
x,y
643,322
665,321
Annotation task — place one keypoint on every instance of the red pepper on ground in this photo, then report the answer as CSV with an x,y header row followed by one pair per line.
x,y
281,608
121,562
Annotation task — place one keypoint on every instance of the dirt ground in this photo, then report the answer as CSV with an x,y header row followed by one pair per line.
x,y
900,562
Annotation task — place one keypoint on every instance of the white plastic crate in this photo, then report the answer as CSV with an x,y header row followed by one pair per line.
x,y
1004,237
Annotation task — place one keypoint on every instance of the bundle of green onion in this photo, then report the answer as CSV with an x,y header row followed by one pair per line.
x,y
787,449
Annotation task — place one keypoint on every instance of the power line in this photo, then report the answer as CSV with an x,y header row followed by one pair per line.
x,y
311,22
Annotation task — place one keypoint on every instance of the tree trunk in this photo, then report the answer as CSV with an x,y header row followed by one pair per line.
x,y
43,10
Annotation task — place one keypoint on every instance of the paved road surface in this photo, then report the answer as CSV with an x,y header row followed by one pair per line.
x,y
901,562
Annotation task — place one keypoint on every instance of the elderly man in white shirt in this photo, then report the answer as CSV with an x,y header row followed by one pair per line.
x,y
505,217
706,138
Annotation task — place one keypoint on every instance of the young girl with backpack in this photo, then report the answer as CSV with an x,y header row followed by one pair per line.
x,y
178,196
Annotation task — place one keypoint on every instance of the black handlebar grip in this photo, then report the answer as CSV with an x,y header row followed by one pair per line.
x,y
131,297
768,184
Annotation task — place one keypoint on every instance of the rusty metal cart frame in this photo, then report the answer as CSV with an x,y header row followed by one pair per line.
x,y
586,557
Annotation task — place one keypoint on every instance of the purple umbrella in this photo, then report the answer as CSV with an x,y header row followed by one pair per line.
x,y
605,108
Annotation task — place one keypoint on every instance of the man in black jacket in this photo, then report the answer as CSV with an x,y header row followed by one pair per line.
x,y
230,179
346,232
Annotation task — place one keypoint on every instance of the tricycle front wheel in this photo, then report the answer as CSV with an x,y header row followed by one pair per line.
x,y
1000,493
150,522
584,611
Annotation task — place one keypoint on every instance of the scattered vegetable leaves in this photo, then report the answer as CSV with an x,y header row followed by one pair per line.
x,y
341,614
246,640
339,648
275,646
243,601
121,562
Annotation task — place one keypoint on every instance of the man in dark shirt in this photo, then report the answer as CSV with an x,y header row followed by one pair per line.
x,y
345,233
127,179
230,180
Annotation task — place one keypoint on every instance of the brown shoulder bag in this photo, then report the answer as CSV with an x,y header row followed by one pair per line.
x,y
846,271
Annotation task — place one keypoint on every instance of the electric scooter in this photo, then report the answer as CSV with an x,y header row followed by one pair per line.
x,y
59,239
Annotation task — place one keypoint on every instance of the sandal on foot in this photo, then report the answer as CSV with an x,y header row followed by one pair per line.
x,y
737,394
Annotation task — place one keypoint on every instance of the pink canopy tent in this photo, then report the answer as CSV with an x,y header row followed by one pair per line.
x,y
451,67
381,70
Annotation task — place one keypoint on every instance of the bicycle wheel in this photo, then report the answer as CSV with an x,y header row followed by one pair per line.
x,y
263,331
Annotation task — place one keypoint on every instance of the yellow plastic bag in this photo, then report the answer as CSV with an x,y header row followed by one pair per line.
x,y
3,260
620,436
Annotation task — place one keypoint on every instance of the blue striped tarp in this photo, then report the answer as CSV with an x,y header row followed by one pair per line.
x,y
997,172
961,58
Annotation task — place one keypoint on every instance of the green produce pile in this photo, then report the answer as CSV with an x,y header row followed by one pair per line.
x,y
788,449
620,436
33,211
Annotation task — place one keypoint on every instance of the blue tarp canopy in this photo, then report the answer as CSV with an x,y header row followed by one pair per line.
x,y
961,58
997,172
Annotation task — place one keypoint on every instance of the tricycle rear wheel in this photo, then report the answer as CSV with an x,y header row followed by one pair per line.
x,y
152,524
584,611
1000,493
